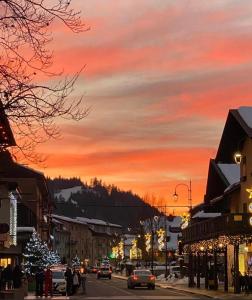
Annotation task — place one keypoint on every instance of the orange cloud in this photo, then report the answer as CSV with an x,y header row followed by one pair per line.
x,y
160,77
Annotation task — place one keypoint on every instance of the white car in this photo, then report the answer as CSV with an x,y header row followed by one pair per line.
x,y
59,282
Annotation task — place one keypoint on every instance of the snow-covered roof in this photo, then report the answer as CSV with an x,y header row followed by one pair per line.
x,y
55,221
31,169
246,113
67,219
231,172
97,222
202,214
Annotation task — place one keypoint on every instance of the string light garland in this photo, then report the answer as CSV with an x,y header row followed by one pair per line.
x,y
218,243
185,219
115,252
13,219
147,242
135,252
121,249
161,238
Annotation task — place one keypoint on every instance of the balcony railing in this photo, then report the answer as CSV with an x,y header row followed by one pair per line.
x,y
228,224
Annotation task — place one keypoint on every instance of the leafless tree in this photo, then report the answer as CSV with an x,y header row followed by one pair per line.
x,y
25,35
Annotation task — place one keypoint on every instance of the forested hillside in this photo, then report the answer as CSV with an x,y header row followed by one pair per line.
x,y
107,202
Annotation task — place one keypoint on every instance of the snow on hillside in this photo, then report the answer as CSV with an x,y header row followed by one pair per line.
x,y
65,194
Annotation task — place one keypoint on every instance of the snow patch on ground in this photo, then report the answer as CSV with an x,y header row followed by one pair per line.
x,y
65,194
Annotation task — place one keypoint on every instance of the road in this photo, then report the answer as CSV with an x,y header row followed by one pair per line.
x,y
116,289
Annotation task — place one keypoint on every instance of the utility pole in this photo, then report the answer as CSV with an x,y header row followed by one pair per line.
x,y
166,258
152,245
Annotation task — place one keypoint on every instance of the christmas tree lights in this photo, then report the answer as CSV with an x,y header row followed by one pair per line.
x,y
76,261
37,255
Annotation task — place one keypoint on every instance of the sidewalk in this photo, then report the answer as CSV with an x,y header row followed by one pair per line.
x,y
200,292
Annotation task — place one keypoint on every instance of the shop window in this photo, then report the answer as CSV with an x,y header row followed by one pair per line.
x,y
4,262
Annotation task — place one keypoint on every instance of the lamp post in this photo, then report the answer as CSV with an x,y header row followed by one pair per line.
x,y
166,258
189,189
155,219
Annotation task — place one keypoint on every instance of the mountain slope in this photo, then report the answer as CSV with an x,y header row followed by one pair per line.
x,y
73,198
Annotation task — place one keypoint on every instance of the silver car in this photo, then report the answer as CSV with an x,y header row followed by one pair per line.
x,y
59,282
141,278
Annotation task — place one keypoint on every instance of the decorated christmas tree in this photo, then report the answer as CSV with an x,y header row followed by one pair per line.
x,y
76,261
53,258
35,254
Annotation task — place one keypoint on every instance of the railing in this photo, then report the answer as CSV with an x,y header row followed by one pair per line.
x,y
228,224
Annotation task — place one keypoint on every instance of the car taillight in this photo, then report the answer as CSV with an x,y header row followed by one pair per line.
x,y
152,277
135,277
99,271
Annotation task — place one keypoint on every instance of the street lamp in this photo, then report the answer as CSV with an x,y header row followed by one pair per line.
x,y
189,189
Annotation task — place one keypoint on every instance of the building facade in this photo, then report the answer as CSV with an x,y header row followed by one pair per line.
x,y
219,234
89,239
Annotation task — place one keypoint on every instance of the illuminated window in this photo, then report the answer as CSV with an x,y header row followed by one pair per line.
x,y
4,262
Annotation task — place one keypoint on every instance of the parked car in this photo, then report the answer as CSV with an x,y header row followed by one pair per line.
x,y
141,278
59,282
176,270
104,272
94,269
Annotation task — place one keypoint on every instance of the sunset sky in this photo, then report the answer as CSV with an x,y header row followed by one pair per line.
x,y
160,77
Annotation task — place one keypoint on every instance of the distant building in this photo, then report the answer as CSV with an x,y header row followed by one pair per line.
x,y
89,239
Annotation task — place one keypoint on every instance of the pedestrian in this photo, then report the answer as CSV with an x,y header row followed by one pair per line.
x,y
69,281
48,282
242,282
75,281
83,278
7,275
39,279
17,275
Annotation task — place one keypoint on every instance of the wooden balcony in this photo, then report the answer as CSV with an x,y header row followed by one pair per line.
x,y
227,224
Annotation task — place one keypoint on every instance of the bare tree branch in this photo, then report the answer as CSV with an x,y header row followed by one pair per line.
x,y
33,108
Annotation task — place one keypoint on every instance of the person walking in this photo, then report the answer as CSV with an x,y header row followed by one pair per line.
x,y
48,282
75,281
7,275
69,281
83,278
39,279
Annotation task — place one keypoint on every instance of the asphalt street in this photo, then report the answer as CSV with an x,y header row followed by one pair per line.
x,y
113,289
